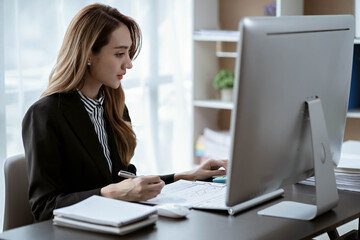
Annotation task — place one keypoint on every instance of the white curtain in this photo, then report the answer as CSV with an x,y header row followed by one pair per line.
x,y
158,88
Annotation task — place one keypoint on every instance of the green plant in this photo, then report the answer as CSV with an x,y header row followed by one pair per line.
x,y
224,79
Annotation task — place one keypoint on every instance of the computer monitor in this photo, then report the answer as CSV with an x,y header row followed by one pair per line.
x,y
292,84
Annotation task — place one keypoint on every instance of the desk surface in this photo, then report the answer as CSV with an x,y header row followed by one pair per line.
x,y
218,225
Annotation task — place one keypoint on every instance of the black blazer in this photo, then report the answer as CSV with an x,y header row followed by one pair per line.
x,y
65,160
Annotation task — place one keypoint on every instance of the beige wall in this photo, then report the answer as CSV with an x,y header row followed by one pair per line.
x,y
321,7
352,129
231,11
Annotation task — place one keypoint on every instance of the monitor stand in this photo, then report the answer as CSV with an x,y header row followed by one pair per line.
x,y
325,184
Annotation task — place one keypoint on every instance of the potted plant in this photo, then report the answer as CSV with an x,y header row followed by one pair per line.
x,y
224,81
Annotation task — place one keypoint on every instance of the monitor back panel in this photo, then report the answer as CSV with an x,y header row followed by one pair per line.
x,y
281,63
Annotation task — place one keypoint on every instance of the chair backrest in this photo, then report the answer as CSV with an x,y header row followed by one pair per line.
x,y
17,207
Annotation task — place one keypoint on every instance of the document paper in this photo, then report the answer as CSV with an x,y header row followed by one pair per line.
x,y
188,193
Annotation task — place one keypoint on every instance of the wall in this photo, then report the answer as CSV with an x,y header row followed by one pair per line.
x,y
320,7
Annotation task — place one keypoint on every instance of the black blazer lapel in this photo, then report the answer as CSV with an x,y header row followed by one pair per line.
x,y
81,124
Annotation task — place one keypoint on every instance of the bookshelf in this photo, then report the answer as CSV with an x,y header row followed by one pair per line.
x,y
215,25
355,113
215,34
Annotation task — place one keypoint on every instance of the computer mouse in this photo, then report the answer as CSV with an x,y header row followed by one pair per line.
x,y
172,210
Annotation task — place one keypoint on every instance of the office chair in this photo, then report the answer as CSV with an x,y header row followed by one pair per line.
x,y
17,207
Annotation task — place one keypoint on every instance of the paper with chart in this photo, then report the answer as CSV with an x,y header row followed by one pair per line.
x,y
347,172
188,193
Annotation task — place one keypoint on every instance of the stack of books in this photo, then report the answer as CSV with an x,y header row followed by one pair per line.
x,y
105,215
214,144
347,172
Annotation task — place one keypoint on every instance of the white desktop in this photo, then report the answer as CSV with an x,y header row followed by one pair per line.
x,y
292,84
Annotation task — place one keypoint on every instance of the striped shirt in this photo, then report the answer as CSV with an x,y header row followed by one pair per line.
x,y
95,109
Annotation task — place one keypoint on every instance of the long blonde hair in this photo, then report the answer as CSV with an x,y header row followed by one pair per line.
x,y
87,33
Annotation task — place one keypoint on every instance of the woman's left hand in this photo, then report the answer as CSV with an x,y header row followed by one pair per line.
x,y
204,171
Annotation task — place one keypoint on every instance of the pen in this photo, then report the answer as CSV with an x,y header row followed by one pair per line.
x,y
126,174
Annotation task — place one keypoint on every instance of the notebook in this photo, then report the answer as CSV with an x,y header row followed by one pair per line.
x,y
67,222
102,214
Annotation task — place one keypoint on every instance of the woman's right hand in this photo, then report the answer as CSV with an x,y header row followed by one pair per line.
x,y
134,189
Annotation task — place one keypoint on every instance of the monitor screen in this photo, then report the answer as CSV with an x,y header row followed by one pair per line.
x,y
282,62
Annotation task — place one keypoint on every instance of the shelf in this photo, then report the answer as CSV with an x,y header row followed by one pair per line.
x,y
213,104
216,35
355,113
226,54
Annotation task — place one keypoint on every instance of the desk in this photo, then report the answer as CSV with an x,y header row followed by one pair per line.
x,y
218,225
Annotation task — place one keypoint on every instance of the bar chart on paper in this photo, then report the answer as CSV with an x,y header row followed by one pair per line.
x,y
188,193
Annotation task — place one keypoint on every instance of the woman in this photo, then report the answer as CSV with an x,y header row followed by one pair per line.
x,y
78,135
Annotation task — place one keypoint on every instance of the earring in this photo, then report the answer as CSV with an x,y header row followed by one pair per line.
x,y
89,63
